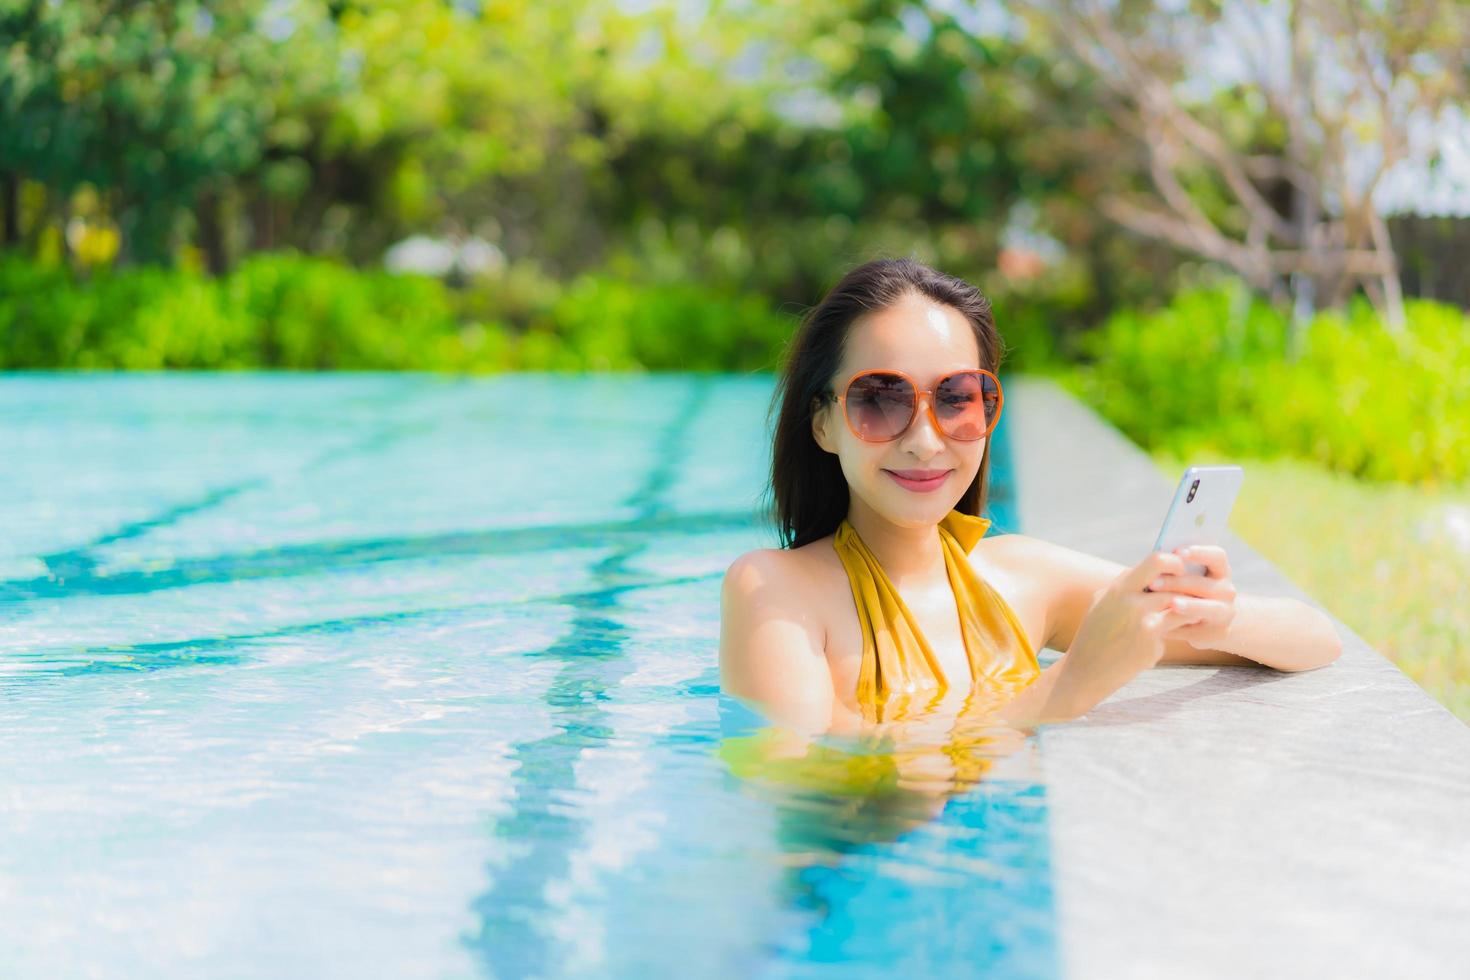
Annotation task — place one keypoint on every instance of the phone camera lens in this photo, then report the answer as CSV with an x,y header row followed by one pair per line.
x,y
1192,488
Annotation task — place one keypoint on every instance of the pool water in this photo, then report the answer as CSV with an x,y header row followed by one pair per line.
x,y
385,675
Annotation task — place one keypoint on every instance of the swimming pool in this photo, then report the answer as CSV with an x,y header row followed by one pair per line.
x,y
411,676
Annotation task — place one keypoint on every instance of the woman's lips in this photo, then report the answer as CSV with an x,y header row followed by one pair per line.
x,y
919,481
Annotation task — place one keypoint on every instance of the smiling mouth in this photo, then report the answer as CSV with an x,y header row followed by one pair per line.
x,y
920,481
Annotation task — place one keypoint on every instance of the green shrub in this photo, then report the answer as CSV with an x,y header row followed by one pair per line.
x,y
274,311
609,323
1210,373
44,321
151,319
317,314
282,310
1041,319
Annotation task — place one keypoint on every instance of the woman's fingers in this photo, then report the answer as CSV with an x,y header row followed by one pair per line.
x,y
1192,633
1203,619
1195,585
1212,556
1170,612
1158,563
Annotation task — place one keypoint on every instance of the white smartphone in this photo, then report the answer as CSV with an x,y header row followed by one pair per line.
x,y
1200,512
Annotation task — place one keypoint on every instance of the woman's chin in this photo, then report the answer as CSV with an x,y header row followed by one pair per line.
x,y
906,509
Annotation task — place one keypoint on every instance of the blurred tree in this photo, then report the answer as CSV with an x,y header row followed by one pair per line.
x,y
842,129
399,111
641,96
153,105
757,145
1258,131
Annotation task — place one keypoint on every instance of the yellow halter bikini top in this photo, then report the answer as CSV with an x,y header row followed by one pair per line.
x,y
901,679
900,674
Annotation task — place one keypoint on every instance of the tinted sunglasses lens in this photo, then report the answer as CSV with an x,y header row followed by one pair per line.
x,y
880,406
965,405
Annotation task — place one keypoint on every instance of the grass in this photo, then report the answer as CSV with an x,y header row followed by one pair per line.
x,y
1391,561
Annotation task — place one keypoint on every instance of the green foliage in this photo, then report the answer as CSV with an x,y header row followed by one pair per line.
x,y
287,311
1210,373
610,323
150,103
1041,319
893,132
311,313
275,311
762,150
1028,336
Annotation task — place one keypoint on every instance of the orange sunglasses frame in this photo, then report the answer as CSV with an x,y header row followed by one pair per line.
x,y
928,395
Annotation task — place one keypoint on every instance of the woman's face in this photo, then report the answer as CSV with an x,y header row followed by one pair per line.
x,y
916,479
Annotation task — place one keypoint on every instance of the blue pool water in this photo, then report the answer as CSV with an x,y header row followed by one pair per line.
x,y
408,676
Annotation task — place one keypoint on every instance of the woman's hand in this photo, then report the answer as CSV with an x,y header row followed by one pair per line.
x,y
1122,633
1207,600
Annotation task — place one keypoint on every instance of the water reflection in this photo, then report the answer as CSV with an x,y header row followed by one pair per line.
x,y
898,773
890,833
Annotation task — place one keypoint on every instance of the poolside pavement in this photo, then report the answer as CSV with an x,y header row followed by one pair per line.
x,y
1231,821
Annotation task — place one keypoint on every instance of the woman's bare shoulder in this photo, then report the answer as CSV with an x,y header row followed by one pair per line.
x,y
773,636
796,573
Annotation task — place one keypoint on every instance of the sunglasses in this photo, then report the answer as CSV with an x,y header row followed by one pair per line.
x,y
881,405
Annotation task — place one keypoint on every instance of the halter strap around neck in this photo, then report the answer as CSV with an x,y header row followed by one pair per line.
x,y
899,671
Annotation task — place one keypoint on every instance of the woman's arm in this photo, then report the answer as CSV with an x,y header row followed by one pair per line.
x,y
1275,631
1121,633
772,647
1229,628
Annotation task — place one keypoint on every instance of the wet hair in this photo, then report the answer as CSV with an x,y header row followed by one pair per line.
x,y
808,493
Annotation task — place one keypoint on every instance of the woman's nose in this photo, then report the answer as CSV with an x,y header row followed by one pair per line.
x,y
922,439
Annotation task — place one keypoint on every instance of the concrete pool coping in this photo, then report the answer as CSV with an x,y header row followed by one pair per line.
x,y
1238,821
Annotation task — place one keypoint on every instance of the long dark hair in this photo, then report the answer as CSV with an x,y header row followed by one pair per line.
x,y
809,494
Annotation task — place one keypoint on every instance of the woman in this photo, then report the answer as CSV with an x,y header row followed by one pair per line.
x,y
887,601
